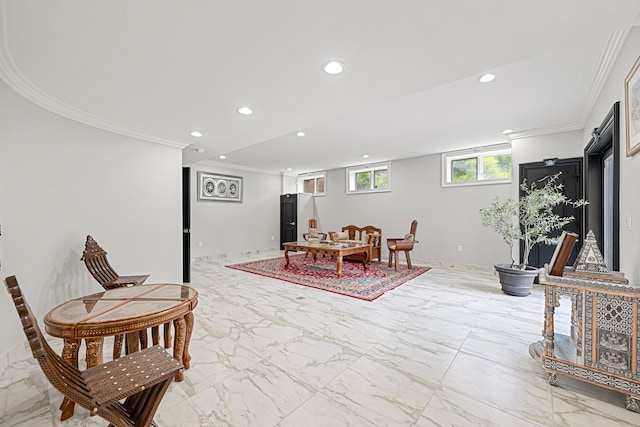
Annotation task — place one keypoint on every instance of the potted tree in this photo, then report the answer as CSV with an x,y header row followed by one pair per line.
x,y
536,221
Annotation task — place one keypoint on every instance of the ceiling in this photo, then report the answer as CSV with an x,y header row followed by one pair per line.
x,y
158,69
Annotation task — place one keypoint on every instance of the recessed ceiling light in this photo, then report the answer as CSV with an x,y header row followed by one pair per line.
x,y
507,131
333,67
196,134
300,134
245,111
365,156
222,156
486,78
289,169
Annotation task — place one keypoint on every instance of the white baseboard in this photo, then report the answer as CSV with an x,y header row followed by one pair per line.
x,y
227,255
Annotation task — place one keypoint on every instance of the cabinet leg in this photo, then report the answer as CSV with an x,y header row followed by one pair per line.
x,y
632,404
553,378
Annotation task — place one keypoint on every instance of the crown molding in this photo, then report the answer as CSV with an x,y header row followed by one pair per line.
x,y
608,57
11,75
549,130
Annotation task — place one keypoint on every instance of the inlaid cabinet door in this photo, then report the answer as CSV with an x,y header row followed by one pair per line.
x,y
612,323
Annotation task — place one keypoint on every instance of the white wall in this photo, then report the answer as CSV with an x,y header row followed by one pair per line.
x,y
61,180
447,217
537,148
612,92
220,228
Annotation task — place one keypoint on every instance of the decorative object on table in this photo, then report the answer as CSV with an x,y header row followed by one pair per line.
x,y
590,263
226,188
632,107
321,274
95,259
561,255
402,244
531,219
125,392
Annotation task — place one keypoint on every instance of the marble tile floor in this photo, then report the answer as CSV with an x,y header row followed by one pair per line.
x,y
445,349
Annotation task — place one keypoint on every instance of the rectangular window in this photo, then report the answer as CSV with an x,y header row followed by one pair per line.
x,y
482,165
368,178
312,183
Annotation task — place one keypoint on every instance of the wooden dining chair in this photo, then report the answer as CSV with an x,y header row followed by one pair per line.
x,y
126,392
402,244
95,259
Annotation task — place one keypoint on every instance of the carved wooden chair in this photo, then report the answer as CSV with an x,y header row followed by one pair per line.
x,y
362,234
95,258
402,244
126,392
313,232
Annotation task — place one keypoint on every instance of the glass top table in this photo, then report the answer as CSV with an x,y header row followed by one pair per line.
x,y
122,311
336,250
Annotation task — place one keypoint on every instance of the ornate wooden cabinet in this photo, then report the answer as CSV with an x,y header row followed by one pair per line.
x,y
597,339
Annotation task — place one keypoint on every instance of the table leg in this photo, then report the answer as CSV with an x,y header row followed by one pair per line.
x,y
70,355
179,343
315,256
339,265
366,260
186,357
94,351
286,255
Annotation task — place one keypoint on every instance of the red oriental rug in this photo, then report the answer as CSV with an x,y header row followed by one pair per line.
x,y
355,281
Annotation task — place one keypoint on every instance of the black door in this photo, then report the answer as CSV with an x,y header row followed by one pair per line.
x,y
288,218
186,225
571,178
602,186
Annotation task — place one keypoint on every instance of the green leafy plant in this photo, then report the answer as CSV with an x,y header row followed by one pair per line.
x,y
534,213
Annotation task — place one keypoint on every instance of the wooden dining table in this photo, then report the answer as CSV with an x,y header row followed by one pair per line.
x,y
122,311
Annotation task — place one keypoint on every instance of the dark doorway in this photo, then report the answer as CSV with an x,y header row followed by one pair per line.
x,y
602,186
288,218
572,180
186,225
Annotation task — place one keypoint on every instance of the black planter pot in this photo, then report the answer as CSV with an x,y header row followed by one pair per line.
x,y
516,282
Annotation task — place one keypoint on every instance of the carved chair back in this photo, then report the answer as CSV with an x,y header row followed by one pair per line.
x,y
95,258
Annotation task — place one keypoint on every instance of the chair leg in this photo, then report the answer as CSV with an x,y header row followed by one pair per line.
x,y
143,339
408,260
167,335
155,335
142,407
133,343
396,259
390,258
